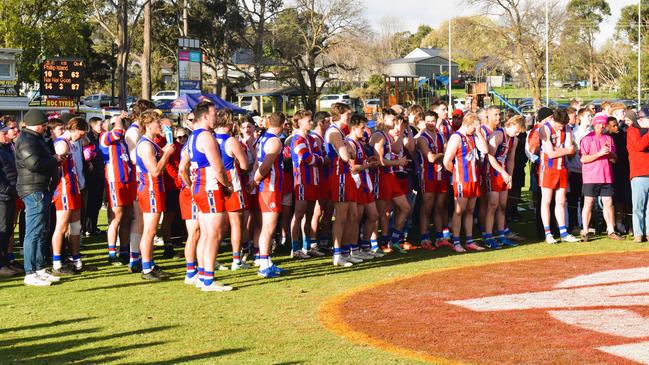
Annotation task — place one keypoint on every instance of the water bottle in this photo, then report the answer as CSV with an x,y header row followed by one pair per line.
x,y
169,134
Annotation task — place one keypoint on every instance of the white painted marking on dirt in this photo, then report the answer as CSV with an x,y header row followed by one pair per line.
x,y
607,277
618,295
616,322
613,288
636,351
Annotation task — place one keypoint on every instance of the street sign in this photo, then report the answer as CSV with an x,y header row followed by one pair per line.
x,y
62,77
189,66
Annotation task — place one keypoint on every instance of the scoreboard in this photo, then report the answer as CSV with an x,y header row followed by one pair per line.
x,y
62,77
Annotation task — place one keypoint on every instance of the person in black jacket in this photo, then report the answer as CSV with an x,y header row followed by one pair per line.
x,y
37,178
8,176
94,178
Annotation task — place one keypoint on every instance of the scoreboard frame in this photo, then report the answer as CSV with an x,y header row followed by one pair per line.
x,y
63,77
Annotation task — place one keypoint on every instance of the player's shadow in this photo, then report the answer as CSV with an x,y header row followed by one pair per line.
x,y
316,268
190,358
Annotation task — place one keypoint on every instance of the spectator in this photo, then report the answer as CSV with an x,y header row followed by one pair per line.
x,y
37,178
637,143
598,154
8,176
622,199
94,177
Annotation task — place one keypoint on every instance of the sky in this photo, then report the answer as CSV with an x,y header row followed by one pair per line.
x,y
412,13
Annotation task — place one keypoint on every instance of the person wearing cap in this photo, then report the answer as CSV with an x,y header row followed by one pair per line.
x,y
37,178
8,177
556,145
638,147
598,154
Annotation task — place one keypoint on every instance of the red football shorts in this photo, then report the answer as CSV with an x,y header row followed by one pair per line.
x,y
495,183
324,193
66,202
188,210
151,201
434,186
466,189
306,192
342,188
237,201
210,201
121,195
554,179
267,201
391,186
363,198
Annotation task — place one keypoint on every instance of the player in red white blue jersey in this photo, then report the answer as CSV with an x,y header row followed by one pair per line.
x,y
434,181
67,197
235,162
150,162
498,179
306,180
210,187
460,158
121,189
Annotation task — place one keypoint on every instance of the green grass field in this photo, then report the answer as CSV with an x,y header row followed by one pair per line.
x,y
111,316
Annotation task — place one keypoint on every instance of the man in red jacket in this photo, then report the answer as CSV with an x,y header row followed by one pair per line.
x,y
637,145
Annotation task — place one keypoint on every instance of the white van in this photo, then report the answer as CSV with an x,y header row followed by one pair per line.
x,y
326,101
165,95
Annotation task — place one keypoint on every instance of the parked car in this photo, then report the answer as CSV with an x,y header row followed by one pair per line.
x,y
98,101
326,101
165,95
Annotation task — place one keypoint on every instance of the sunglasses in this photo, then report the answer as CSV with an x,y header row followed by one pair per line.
x,y
190,119
181,137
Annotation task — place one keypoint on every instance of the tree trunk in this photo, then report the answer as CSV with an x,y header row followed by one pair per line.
x,y
123,50
224,82
145,60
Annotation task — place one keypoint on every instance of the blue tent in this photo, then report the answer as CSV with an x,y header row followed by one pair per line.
x,y
221,104
186,103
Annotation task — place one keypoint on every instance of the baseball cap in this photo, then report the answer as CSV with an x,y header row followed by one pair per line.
x,y
4,127
643,113
600,117
371,124
458,113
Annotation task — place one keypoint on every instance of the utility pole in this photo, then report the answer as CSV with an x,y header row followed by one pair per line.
x,y
547,56
450,73
639,50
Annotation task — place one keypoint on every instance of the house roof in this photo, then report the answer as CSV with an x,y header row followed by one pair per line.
x,y
290,91
424,52
437,60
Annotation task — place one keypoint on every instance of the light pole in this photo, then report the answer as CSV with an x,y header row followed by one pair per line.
x,y
639,63
547,56
450,74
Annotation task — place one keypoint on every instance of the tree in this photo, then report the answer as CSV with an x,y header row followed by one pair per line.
x,y
118,18
219,25
521,36
31,26
582,26
474,42
305,33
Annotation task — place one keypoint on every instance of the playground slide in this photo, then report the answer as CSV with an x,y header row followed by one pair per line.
x,y
505,101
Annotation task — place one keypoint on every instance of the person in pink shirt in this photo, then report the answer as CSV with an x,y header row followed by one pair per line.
x,y
597,157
